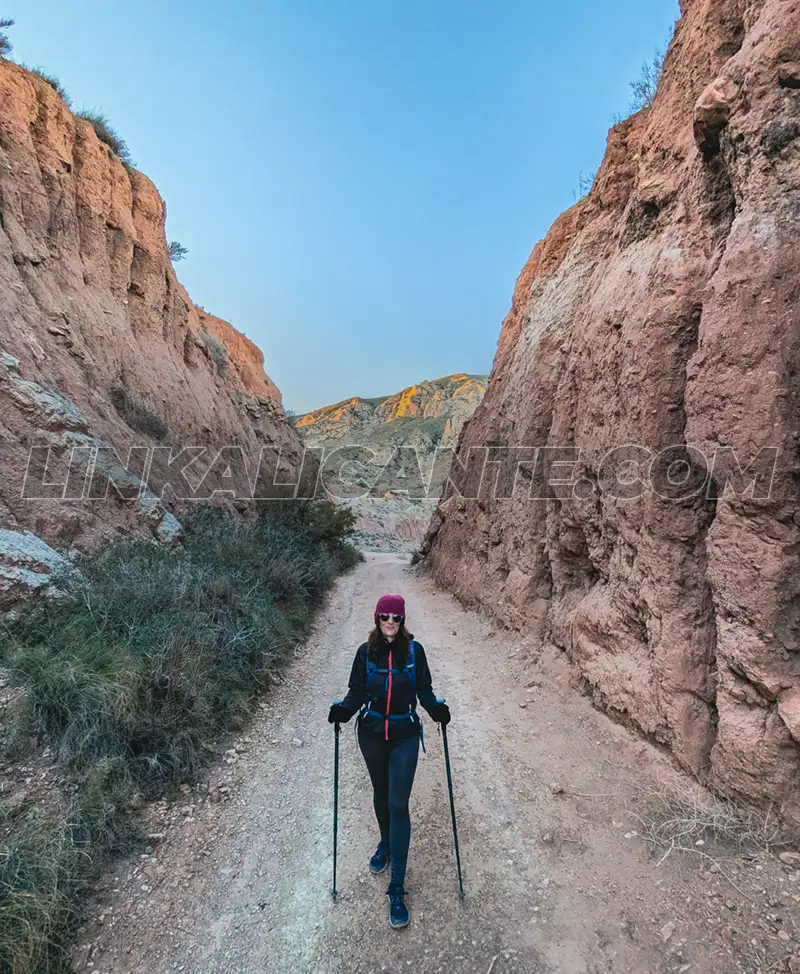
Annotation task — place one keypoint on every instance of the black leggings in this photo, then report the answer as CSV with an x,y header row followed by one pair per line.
x,y
391,766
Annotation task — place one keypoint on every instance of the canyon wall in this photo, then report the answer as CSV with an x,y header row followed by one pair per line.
x,y
660,315
99,343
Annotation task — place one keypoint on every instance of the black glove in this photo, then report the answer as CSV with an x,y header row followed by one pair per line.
x,y
339,714
441,714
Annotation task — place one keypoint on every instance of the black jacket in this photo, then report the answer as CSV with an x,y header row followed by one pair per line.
x,y
404,698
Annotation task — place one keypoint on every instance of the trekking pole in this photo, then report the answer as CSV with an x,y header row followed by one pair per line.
x,y
452,806
336,728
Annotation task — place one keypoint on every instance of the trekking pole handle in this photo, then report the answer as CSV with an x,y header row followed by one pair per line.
x,y
337,726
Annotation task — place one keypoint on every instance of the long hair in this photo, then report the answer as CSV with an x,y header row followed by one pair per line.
x,y
376,641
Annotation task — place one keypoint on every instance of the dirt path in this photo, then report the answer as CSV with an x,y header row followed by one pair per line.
x,y
555,881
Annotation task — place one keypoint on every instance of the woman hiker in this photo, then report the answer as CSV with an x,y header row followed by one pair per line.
x,y
389,673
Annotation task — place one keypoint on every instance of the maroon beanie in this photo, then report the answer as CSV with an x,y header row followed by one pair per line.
x,y
390,603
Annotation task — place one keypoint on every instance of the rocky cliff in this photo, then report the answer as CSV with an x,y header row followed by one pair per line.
x,y
99,343
427,416
660,315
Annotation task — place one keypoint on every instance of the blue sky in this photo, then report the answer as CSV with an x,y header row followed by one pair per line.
x,y
358,181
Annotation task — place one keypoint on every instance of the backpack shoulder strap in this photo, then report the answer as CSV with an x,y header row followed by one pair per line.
x,y
411,665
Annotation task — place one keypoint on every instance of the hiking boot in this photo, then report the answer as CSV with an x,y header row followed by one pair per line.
x,y
380,860
398,911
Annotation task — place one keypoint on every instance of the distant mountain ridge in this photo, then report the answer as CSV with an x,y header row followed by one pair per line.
x,y
426,414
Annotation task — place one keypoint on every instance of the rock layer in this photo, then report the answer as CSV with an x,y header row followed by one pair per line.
x,y
661,311
93,318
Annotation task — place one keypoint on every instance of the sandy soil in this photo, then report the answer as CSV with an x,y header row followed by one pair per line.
x,y
557,877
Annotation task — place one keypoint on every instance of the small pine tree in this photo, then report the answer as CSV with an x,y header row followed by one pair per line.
x,y
5,43
177,251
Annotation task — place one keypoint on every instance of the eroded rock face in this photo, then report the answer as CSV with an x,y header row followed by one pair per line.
x,y
661,311
92,317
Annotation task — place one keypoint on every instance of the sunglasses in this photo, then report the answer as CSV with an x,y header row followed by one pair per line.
x,y
390,616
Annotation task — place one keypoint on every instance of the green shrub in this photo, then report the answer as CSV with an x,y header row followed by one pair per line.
x,y
325,521
173,649
137,414
217,350
133,676
153,652
319,522
106,133
54,83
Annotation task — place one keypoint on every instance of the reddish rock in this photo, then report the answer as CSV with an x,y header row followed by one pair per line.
x,y
661,311
789,711
91,312
711,114
246,358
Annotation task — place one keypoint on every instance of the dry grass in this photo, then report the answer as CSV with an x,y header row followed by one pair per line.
x,y
758,961
692,820
42,878
53,81
105,132
217,351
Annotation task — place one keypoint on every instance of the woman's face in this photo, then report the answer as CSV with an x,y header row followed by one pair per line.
x,y
391,626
